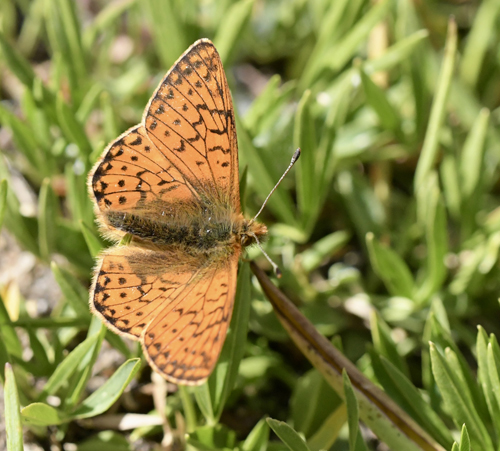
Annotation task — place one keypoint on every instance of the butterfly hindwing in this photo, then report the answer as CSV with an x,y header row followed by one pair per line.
x,y
180,309
184,341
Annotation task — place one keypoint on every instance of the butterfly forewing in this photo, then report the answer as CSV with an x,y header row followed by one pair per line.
x,y
190,119
134,175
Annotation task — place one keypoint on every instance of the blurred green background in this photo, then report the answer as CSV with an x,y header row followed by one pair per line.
x,y
387,230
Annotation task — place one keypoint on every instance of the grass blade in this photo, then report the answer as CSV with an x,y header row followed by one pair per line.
x,y
429,151
390,267
458,406
106,395
232,24
66,368
287,435
13,426
3,199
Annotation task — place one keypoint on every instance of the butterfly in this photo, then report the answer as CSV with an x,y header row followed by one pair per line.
x,y
171,184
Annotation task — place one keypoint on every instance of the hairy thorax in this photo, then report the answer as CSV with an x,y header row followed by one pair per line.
x,y
203,231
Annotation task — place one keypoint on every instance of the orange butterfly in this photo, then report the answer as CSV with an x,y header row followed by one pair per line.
x,y
171,182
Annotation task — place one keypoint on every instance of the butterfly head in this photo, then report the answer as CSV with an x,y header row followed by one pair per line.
x,y
251,232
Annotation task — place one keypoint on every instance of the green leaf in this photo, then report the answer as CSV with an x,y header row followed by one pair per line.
x,y
93,241
13,425
205,403
64,33
313,400
8,334
269,98
483,360
430,147
325,247
72,290
106,441
433,215
4,358
24,229
106,395
48,214
78,199
478,41
331,25
464,440
25,141
400,388
365,210
41,414
308,168
471,161
16,62
377,98
337,55
352,411
103,20
78,382
39,124
72,32
169,34
280,202
451,185
211,438
458,404
493,360
89,101
287,435
72,129
390,267
232,24
71,243
327,434
111,126
397,53
258,438
3,199
188,407
40,353
384,344
67,367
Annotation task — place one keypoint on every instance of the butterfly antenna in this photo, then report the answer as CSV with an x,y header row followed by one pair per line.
x,y
295,157
277,271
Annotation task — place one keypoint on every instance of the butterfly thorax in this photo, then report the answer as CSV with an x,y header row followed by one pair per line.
x,y
204,230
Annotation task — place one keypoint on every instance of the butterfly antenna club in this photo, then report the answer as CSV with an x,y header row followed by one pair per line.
x,y
295,157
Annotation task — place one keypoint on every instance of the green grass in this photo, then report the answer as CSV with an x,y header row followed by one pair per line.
x,y
387,231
